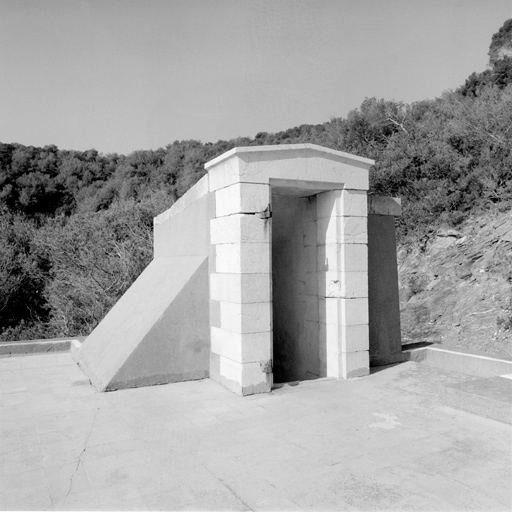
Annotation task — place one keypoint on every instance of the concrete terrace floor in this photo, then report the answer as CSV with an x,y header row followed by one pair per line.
x,y
383,442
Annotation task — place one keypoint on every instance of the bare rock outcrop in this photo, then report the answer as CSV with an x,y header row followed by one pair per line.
x,y
458,289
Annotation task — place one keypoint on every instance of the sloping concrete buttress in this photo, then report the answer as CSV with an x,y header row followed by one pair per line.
x,y
159,330
236,295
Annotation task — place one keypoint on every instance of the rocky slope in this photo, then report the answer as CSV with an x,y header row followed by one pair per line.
x,y
458,289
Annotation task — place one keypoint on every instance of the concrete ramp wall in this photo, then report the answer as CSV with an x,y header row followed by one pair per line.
x,y
159,331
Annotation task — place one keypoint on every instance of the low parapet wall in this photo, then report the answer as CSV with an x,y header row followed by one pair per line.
x,y
462,361
16,348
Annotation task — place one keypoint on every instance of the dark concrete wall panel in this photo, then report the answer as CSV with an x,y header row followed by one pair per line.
x,y
383,301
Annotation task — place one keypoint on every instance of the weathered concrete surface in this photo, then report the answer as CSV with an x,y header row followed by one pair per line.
x,y
184,229
159,331
385,442
295,290
383,299
154,333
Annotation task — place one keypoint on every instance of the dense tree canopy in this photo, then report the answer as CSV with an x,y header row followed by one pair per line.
x,y
75,226
501,43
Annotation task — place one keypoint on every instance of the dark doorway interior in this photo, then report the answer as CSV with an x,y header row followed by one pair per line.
x,y
294,288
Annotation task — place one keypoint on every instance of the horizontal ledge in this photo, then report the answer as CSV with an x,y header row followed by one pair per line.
x,y
382,205
346,157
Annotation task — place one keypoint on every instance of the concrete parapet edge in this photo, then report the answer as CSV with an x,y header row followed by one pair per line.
x,y
347,157
200,189
36,346
463,362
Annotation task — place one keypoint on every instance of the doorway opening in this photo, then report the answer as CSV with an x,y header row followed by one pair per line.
x,y
295,311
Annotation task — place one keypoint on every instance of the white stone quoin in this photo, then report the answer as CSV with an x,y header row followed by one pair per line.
x,y
336,251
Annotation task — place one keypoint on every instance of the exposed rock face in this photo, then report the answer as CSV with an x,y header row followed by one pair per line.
x,y
458,291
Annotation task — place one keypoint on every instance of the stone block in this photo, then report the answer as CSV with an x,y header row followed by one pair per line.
x,y
354,311
332,364
255,378
290,162
312,283
380,205
230,374
342,230
224,174
343,284
342,203
245,318
329,349
239,228
343,257
354,230
312,308
215,313
226,287
226,344
310,257
303,164
309,233
328,231
242,198
257,347
241,348
310,209
311,329
241,288
251,258
244,378
355,338
343,338
327,204
354,203
343,311
355,364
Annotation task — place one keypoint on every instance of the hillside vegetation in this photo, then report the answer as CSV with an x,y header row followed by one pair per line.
x,y
76,226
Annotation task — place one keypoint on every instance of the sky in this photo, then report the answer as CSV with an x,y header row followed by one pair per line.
x,y
124,75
